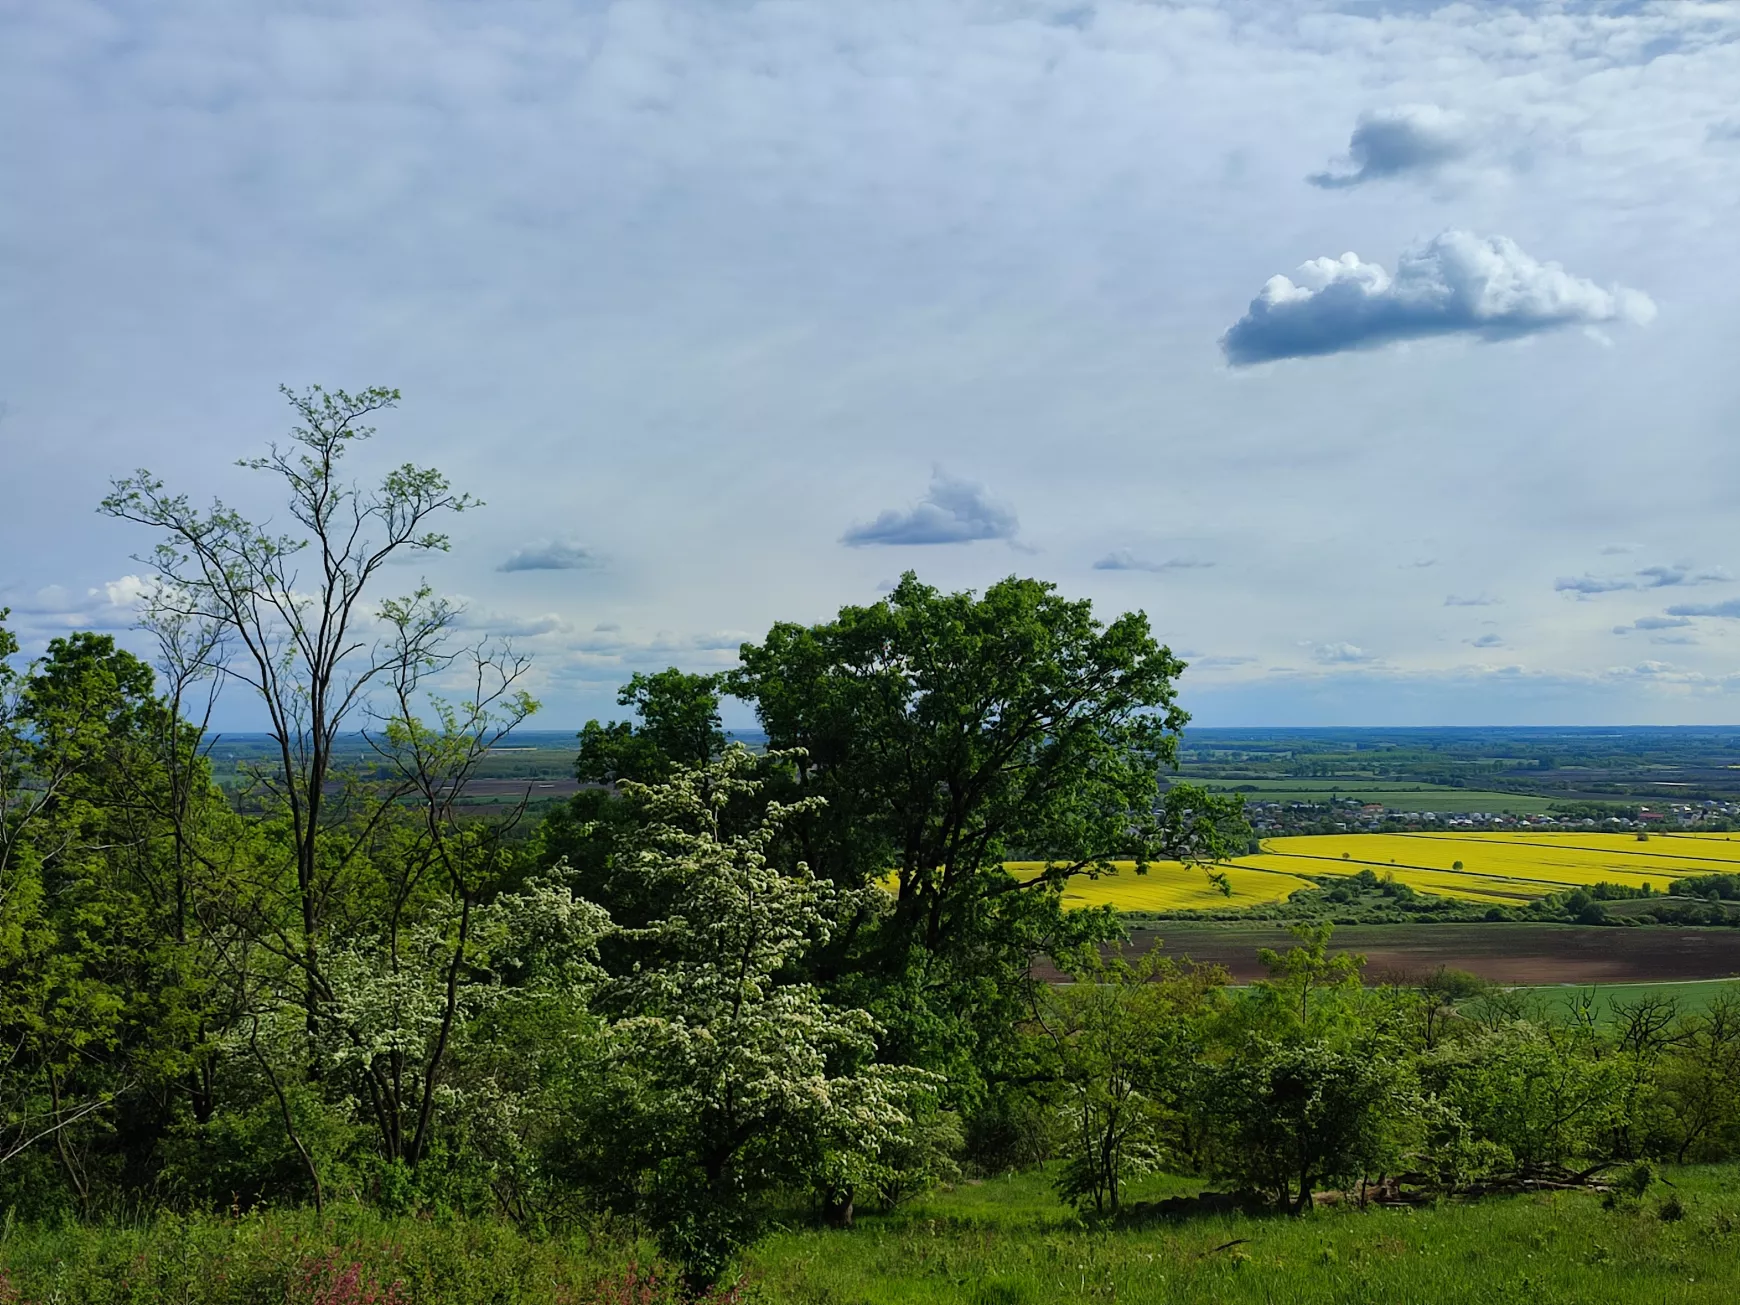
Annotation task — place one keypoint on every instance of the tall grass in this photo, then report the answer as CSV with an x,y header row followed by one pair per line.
x,y
293,1257
1001,1242
1007,1244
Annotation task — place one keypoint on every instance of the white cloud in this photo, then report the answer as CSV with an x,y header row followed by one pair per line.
x,y
552,555
508,625
111,606
1659,577
607,661
1728,608
951,512
1454,284
1487,640
1585,585
1410,138
1649,577
1219,662
1338,654
1477,600
1124,559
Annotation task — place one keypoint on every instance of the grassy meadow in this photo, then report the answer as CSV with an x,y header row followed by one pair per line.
x,y
1500,869
1002,1241
1602,998
1007,1241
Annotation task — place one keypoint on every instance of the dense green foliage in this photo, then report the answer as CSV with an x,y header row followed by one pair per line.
x,y
946,734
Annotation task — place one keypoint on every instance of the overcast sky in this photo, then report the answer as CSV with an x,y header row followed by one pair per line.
x,y
1384,354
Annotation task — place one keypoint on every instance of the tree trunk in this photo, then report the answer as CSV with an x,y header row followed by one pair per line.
x,y
839,1207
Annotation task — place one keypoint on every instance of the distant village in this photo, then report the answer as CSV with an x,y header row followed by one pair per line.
x,y
1350,815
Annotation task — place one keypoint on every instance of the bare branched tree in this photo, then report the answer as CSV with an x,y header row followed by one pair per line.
x,y
295,617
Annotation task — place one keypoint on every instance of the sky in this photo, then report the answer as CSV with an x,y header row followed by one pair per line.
x,y
1382,353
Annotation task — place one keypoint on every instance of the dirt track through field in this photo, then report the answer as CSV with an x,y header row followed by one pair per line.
x,y
1502,953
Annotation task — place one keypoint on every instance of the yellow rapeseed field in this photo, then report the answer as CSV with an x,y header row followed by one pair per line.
x,y
1534,863
1171,886
1498,868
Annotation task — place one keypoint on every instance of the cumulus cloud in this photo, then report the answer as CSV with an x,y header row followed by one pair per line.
x,y
1657,577
1123,559
1729,607
1339,654
551,556
1208,663
1478,600
1649,577
1455,284
1647,668
1585,585
112,605
662,644
1488,640
1653,623
508,625
1613,550
951,512
1410,138
603,657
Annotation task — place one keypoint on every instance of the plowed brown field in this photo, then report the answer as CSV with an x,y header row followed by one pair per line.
x,y
1503,953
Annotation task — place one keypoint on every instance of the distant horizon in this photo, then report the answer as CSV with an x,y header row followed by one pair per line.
x,y
741,731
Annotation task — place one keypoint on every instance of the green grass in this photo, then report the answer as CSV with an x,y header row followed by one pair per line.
x,y
1398,797
1007,1241
1692,996
1004,1241
351,1256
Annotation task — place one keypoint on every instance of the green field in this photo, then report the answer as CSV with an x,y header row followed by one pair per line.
x,y
1002,1241
1007,1241
1399,797
1695,996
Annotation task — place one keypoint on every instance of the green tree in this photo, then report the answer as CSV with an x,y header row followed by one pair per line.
x,y
1700,1083
676,724
1125,1036
1540,1093
28,1113
679,726
1307,970
366,874
111,1004
726,1078
950,733
296,611
1302,1114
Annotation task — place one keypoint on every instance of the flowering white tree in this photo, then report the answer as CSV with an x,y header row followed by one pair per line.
x,y
726,1076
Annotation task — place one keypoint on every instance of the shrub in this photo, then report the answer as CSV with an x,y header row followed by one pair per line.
x,y
330,1280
